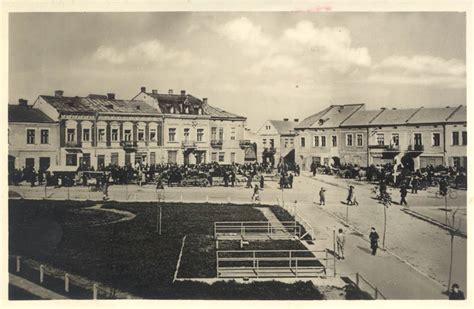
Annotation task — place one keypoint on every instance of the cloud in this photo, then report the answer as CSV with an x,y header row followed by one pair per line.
x,y
420,70
152,51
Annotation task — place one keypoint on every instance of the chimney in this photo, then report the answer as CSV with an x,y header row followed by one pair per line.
x,y
111,96
23,102
170,91
296,119
76,100
204,100
154,91
183,93
58,93
143,89
285,119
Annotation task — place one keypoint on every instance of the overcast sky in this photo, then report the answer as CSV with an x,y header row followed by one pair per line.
x,y
258,65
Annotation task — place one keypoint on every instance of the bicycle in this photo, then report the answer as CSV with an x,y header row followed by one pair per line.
x,y
450,192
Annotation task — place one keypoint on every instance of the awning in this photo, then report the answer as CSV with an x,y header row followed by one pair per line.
x,y
73,150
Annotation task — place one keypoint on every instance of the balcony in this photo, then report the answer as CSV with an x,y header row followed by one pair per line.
x,y
188,144
129,146
72,144
216,143
244,143
377,146
416,148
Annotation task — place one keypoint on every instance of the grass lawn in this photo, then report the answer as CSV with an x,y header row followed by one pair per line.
x,y
131,256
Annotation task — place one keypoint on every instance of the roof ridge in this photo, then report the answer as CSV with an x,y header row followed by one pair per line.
x,y
378,114
360,106
419,109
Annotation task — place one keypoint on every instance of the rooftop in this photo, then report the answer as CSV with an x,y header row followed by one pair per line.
x,y
17,113
283,127
330,117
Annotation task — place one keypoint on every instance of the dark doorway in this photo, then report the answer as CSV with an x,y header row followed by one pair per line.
x,y
44,163
11,163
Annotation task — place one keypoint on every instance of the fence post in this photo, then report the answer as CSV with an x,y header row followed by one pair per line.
x,y
41,273
334,250
18,258
357,279
376,293
94,291
66,282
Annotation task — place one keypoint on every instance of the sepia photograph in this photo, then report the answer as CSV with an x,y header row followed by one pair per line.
x,y
303,154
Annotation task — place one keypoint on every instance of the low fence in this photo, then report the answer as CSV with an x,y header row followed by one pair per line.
x,y
61,282
256,229
272,263
365,285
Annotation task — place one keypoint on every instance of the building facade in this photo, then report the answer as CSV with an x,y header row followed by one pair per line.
x,y
415,137
33,138
276,141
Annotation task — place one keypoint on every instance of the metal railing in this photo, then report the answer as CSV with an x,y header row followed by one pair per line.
x,y
365,285
250,229
272,263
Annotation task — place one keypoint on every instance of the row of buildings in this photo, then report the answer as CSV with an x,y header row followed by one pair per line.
x,y
98,130
415,137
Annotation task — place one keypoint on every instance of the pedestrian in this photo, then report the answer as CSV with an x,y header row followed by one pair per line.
x,y
262,181
414,185
354,199
350,195
374,240
249,181
290,180
403,195
255,196
322,196
456,293
340,241
232,178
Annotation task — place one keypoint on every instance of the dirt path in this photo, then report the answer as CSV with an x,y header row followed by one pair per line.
x,y
127,215
33,288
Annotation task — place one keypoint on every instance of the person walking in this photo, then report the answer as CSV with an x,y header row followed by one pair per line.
x,y
262,181
340,241
290,180
403,195
456,293
322,196
414,185
374,240
354,199
350,196
255,196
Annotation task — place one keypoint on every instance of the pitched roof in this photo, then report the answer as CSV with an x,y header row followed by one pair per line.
x,y
330,117
17,113
394,116
460,115
432,115
360,118
71,105
283,127
166,101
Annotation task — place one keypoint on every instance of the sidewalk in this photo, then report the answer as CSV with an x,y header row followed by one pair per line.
x,y
33,288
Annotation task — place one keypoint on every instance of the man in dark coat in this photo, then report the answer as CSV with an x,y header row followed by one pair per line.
x,y
414,185
403,195
456,293
374,240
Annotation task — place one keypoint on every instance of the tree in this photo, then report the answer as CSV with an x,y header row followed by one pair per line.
x,y
386,201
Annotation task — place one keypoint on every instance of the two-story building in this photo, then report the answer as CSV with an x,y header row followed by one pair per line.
x,y
319,136
33,138
276,141
196,132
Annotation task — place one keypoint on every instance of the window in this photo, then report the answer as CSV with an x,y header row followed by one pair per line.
x,y
114,135
264,142
232,133
86,159
127,135
152,158
455,138
272,143
171,134
186,134
44,136
221,156
71,159
232,157
214,133
29,162
334,141
380,139
464,137
153,135
316,141
359,140
221,134
395,139
286,143
141,134
101,135
418,140
349,141
114,158
160,134
436,139
70,135
86,135
172,155
30,136
323,141
303,142
200,135
214,156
